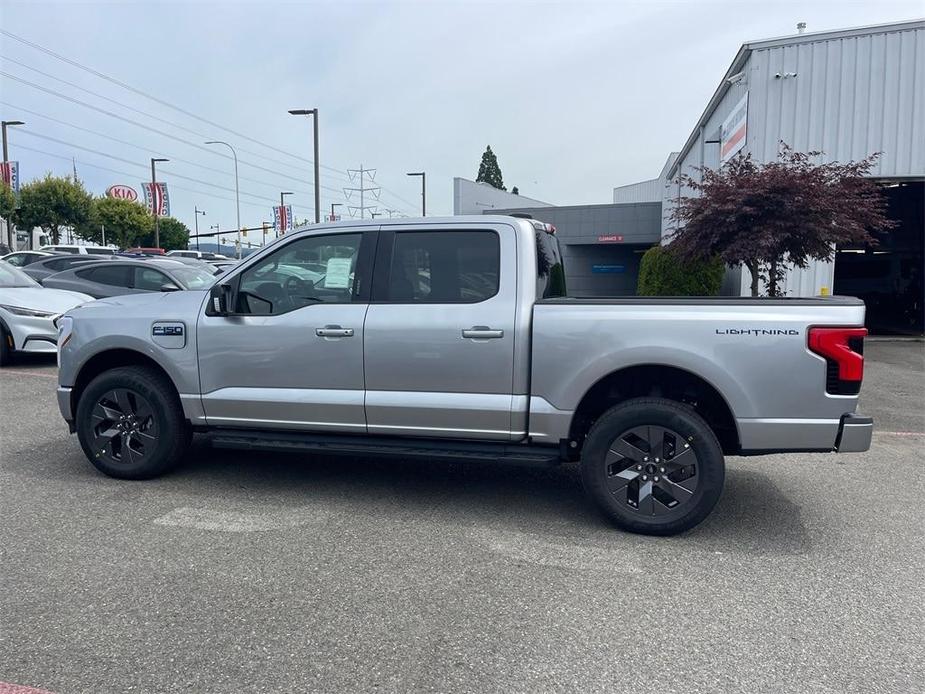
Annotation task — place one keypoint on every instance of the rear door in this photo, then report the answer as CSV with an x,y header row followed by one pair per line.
x,y
439,334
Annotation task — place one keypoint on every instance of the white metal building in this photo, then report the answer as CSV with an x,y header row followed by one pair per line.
x,y
847,93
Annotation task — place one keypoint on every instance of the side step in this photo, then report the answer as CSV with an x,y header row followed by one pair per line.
x,y
376,446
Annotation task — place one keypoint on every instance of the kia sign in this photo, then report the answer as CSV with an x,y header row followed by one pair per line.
x,y
121,192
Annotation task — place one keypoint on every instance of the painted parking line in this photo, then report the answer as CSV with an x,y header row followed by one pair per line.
x,y
27,373
7,688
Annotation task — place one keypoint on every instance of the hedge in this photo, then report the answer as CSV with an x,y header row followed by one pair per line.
x,y
661,273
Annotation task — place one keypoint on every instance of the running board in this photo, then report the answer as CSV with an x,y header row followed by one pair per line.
x,y
511,453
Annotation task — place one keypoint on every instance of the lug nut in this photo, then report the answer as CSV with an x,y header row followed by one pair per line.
x,y
645,477
639,467
687,445
655,478
657,460
662,470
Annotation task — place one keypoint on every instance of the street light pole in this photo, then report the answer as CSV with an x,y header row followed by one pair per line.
x,y
197,213
237,192
157,225
282,198
313,112
423,176
6,158
333,205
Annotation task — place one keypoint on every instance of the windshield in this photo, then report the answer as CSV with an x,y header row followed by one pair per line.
x,y
14,277
193,277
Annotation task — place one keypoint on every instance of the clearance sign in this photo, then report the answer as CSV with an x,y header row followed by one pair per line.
x,y
734,130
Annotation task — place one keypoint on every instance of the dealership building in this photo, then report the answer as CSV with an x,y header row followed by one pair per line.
x,y
847,93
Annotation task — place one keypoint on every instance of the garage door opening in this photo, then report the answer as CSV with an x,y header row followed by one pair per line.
x,y
888,276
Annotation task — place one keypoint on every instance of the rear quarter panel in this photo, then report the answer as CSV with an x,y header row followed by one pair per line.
x,y
761,376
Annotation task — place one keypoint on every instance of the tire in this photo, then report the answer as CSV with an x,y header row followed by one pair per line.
x,y
6,353
653,466
130,423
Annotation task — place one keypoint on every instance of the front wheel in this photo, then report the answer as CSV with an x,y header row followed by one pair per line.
x,y
130,423
653,466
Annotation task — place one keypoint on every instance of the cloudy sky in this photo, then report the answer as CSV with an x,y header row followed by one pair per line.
x,y
574,97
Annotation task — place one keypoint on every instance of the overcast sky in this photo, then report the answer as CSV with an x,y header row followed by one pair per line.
x,y
574,97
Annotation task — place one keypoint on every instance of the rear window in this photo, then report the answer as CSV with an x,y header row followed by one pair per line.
x,y
550,273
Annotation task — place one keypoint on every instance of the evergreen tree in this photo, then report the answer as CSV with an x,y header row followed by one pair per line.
x,y
489,171
515,191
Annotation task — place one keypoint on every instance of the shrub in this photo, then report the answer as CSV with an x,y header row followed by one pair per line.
x,y
662,273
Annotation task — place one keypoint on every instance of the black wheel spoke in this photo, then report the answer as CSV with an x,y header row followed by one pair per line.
x,y
124,426
652,469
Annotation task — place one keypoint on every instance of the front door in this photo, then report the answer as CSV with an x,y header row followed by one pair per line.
x,y
440,333
292,355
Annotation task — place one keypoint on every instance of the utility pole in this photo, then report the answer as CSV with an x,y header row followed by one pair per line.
x,y
237,190
154,202
197,212
423,176
361,176
313,112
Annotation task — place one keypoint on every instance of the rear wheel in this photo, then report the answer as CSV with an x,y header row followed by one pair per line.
x,y
653,466
130,423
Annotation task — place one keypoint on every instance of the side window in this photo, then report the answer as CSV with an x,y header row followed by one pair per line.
x,y
116,275
18,260
307,271
444,267
550,273
59,264
151,280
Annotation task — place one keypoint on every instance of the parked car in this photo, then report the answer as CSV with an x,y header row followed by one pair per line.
x,y
454,338
117,277
23,258
145,251
199,255
193,262
45,267
27,311
75,249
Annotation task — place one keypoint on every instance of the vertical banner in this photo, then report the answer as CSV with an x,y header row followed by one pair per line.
x,y
282,218
9,174
734,131
157,199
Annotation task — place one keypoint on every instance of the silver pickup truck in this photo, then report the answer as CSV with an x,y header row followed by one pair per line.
x,y
454,338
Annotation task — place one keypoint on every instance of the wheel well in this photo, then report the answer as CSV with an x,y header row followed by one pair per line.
x,y
111,359
652,380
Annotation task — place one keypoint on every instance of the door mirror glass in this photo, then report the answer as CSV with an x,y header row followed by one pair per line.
x,y
169,287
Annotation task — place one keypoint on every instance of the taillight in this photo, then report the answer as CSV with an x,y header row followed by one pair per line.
x,y
843,350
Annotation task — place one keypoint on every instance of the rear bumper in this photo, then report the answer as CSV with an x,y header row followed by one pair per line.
x,y
854,433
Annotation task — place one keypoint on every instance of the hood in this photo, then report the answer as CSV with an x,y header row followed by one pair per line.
x,y
42,299
151,303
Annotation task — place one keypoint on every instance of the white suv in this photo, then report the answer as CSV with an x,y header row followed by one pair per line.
x,y
83,250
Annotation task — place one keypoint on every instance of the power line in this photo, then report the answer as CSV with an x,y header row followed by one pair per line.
x,y
167,104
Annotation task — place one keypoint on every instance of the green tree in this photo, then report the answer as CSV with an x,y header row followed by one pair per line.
x,y
663,273
7,208
125,222
515,190
174,235
489,171
53,204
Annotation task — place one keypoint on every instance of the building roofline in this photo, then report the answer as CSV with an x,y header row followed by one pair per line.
x,y
746,48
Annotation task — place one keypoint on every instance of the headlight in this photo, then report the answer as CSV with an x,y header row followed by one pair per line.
x,y
30,312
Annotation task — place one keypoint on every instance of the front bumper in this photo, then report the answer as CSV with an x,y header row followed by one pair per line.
x,y
854,433
32,334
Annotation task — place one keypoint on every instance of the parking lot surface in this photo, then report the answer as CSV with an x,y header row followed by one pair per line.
x,y
246,572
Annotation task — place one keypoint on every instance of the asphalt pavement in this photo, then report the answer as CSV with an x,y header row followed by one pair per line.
x,y
246,572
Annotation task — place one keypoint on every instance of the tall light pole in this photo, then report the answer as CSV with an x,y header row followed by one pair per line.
x,y
197,213
313,112
157,224
218,237
423,176
282,198
6,158
237,192
333,205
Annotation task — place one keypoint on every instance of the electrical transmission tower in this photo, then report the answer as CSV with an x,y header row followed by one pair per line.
x,y
362,178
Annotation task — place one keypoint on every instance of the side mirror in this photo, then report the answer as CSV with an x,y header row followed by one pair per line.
x,y
219,300
169,287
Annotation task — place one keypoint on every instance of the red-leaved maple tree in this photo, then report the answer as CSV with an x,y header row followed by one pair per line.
x,y
766,216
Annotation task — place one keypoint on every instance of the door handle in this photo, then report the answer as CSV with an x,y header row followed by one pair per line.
x,y
334,331
482,332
